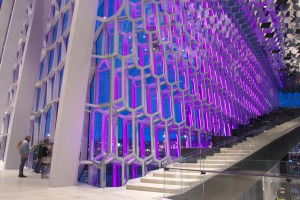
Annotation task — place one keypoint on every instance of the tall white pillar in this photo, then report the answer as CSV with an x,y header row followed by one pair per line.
x,y
10,39
25,93
70,119
5,16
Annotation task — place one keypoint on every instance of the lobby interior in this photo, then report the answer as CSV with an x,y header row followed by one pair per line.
x,y
150,99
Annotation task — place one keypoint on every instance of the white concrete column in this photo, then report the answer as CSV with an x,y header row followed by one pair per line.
x,y
5,13
70,119
11,40
28,76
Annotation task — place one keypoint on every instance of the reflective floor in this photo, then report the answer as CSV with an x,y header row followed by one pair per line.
x,y
33,187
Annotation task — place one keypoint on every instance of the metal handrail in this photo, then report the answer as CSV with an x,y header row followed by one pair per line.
x,y
244,173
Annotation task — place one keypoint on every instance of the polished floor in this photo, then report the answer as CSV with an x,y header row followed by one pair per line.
x,y
33,187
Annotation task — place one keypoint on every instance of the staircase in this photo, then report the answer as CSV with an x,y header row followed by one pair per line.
x,y
181,177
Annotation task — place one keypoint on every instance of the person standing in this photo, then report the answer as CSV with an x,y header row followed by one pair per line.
x,y
23,147
46,159
37,168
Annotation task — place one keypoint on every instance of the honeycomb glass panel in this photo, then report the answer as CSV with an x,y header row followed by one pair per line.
x,y
171,74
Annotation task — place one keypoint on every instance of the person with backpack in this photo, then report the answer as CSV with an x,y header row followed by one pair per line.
x,y
23,147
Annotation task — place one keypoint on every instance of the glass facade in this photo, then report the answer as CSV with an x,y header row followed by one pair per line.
x,y
166,75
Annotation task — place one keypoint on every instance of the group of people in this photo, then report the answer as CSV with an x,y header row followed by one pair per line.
x,y
43,159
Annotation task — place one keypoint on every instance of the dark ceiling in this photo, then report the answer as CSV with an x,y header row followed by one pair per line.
x,y
272,30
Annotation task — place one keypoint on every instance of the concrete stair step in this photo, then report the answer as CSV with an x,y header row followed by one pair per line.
x,y
248,147
162,188
254,142
178,174
215,161
225,157
198,165
244,147
220,158
196,169
233,150
264,136
229,154
258,138
234,157
190,170
170,181
180,170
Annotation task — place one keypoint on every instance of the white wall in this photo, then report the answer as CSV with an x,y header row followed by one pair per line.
x,y
11,47
28,75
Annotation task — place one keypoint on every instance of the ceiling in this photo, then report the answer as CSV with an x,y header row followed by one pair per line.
x,y
272,29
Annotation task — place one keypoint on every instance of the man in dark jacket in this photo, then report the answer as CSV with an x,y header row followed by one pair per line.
x,y
24,152
46,159
37,168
